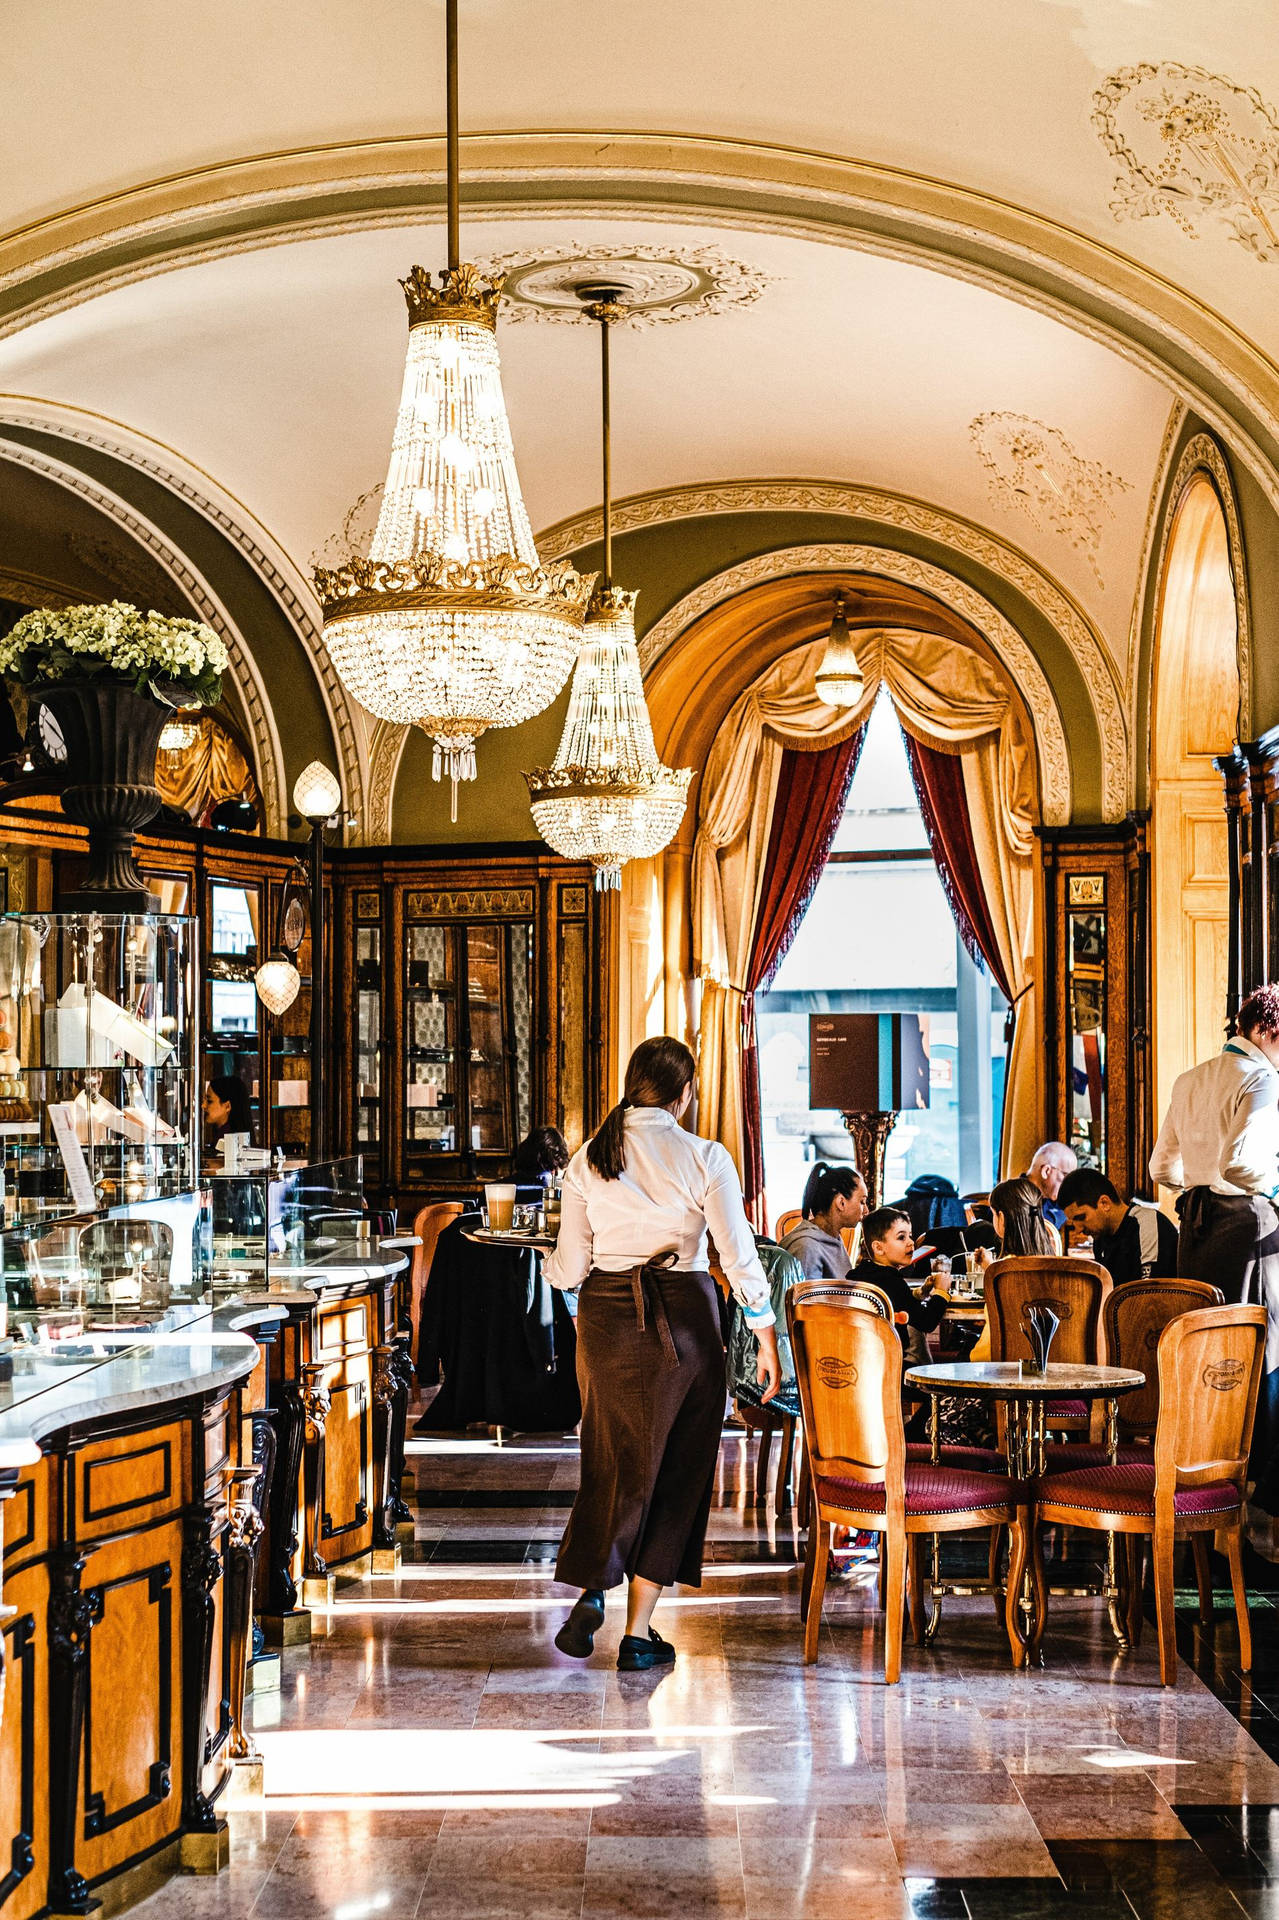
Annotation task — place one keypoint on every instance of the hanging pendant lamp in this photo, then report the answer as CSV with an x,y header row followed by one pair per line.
x,y
451,623
607,797
839,680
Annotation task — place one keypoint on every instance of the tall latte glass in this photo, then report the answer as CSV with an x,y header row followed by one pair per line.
x,y
499,1207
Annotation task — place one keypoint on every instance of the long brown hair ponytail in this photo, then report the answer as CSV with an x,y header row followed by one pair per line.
x,y
656,1075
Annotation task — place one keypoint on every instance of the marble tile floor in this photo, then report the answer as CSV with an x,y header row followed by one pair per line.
x,y
433,1754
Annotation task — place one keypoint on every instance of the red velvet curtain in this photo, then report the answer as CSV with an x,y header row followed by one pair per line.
x,y
939,788
811,791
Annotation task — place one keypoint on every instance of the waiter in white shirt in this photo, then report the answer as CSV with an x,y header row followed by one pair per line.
x,y
1220,1145
637,1203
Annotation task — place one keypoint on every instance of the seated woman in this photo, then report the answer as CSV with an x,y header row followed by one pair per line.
x,y
545,1150
1016,1212
834,1198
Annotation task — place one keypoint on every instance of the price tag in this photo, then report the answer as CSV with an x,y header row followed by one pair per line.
x,y
79,1179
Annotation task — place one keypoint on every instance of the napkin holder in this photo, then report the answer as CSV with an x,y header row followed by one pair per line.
x,y
1041,1325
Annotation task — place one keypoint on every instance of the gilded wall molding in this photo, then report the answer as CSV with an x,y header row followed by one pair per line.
x,y
1009,646
269,561
913,516
1163,466
386,750
1201,454
56,262
269,767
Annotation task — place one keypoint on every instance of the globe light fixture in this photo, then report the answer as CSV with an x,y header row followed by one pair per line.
x,y
316,793
451,623
607,797
839,680
278,983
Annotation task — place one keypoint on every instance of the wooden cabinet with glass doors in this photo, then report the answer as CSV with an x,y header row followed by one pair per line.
x,y
472,1014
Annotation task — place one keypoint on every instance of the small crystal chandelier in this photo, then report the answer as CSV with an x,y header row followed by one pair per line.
x,y
179,736
839,680
607,797
451,623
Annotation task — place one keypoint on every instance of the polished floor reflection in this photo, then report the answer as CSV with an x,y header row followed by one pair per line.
x,y
432,1754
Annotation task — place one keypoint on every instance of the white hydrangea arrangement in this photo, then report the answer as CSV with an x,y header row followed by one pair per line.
x,y
119,642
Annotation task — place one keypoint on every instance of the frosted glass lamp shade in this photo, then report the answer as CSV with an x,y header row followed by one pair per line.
x,y
277,981
316,793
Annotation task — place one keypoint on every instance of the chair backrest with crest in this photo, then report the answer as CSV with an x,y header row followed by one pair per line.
x,y
849,1369
845,1293
1209,1364
785,1221
1133,1318
1074,1289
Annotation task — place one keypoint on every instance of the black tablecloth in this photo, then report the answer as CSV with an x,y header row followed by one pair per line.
x,y
501,1337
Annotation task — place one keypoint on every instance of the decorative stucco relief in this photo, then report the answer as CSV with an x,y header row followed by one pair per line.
x,y
1196,147
1034,469
657,284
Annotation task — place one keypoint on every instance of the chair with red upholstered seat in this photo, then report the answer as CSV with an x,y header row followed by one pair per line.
x,y
849,1370
1209,1371
1076,1291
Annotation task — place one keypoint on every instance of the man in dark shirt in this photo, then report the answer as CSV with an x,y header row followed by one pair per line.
x,y
1132,1239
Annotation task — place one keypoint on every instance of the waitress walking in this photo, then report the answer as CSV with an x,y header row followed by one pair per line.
x,y
638,1201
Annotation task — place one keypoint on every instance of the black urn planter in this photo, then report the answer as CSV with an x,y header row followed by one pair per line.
x,y
106,737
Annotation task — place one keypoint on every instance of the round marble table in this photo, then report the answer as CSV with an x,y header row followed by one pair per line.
x,y
1026,1397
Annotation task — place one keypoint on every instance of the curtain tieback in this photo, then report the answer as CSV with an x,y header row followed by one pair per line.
x,y
647,1295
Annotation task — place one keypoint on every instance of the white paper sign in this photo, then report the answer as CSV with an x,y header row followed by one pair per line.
x,y
79,1179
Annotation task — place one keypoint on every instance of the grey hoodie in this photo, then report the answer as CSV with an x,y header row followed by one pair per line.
x,y
823,1256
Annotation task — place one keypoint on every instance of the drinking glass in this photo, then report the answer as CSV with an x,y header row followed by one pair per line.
x,y
499,1206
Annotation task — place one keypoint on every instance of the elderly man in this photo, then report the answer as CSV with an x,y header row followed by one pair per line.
x,y
1219,1144
1052,1162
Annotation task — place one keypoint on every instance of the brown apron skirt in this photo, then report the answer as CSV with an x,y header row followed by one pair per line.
x,y
650,1365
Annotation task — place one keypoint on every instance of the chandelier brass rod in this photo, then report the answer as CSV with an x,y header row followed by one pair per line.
x,y
452,151
606,439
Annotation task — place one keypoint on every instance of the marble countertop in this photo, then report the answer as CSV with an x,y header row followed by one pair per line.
x,y
109,1375
1011,1379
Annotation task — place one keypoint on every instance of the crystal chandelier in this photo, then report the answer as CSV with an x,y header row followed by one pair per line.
x,y
839,680
451,623
606,797
178,736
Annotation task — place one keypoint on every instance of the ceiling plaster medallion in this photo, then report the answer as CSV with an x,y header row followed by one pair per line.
x,y
1195,146
656,283
1034,467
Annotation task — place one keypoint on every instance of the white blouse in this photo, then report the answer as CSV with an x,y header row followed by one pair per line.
x,y
1222,1125
673,1188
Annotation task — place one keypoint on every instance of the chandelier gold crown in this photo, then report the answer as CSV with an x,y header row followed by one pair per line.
x,y
464,297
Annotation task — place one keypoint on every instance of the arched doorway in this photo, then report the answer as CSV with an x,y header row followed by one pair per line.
x,y
1195,715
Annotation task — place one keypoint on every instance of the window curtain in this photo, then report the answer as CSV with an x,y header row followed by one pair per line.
x,y
939,788
949,697
811,791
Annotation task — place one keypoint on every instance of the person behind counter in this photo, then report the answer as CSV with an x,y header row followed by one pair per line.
x,y
834,1198
638,1201
226,1109
1132,1239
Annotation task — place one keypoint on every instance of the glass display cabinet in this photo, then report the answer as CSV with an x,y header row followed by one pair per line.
x,y
98,1093
232,1010
1096,997
264,1223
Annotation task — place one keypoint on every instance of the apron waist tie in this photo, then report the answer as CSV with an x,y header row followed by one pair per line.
x,y
647,1296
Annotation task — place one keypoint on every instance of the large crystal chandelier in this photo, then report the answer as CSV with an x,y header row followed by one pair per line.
x,y
451,623
606,797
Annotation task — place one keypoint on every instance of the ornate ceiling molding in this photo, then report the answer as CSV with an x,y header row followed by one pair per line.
x,y
1085,643
659,285
1196,147
234,522
386,750
1093,288
1021,664
1034,469
269,760
1202,455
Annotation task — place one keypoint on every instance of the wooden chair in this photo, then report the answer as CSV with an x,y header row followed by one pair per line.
x,y
849,1369
1208,1365
785,1221
1133,1316
1076,1290
428,1224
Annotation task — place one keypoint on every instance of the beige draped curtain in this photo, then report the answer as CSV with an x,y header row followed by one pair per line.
x,y
211,769
951,698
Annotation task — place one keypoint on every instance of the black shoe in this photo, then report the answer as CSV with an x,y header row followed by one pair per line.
x,y
638,1656
577,1635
